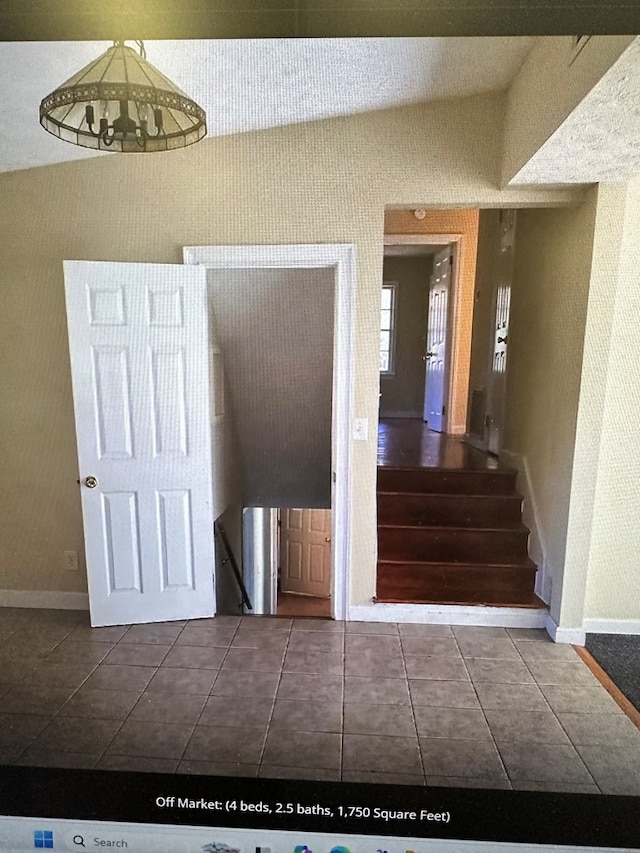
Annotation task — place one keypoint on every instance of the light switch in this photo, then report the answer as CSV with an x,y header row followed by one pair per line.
x,y
360,429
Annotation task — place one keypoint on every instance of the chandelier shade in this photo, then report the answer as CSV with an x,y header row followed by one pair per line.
x,y
120,102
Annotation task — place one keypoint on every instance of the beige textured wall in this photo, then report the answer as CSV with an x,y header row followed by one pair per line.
x,y
548,314
488,249
549,86
404,391
327,181
275,330
465,223
613,579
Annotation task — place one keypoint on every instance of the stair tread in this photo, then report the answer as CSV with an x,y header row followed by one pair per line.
x,y
462,495
524,562
452,528
503,469
532,602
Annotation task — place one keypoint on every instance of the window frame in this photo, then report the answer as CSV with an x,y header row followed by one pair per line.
x,y
393,287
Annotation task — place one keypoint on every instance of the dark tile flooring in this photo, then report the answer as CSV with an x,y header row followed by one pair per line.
x,y
289,698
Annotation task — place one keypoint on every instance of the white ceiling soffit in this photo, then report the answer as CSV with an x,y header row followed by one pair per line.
x,y
253,84
600,140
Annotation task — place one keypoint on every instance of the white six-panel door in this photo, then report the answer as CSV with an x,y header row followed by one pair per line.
x,y
139,364
437,328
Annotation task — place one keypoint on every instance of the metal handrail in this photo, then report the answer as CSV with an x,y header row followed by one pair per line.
x,y
219,530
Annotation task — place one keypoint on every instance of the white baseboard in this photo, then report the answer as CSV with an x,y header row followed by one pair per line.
x,y
574,636
530,516
611,626
450,614
47,600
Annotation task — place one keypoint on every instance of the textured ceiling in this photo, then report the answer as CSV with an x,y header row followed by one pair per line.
x,y
252,84
600,140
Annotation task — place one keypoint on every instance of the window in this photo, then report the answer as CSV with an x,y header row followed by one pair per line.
x,y
387,327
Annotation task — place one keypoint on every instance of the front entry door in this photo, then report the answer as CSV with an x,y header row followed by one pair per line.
x,y
305,551
139,367
437,329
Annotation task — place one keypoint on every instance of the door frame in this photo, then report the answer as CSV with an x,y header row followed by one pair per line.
x,y
340,257
454,240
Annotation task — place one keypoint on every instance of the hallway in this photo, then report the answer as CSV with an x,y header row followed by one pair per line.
x,y
409,443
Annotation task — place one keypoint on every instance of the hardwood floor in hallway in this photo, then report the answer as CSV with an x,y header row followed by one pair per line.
x,y
409,443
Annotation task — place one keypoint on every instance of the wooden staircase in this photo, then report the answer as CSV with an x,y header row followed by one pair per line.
x,y
452,536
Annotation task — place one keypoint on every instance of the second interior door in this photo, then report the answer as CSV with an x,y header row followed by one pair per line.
x,y
305,551
436,339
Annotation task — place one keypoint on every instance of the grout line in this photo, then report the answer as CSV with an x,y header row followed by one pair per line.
x,y
412,709
127,716
207,697
484,715
275,695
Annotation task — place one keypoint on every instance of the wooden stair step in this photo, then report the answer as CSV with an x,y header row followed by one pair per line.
x,y
450,510
455,583
446,481
502,546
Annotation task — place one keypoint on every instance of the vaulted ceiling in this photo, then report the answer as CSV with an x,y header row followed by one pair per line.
x,y
249,84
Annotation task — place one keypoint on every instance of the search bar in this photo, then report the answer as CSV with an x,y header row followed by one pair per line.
x,y
132,842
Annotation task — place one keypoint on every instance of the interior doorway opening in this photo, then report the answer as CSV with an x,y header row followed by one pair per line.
x,y
287,556
304,562
259,519
417,306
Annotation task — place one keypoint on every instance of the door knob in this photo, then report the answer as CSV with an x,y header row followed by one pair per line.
x,y
328,539
428,355
90,482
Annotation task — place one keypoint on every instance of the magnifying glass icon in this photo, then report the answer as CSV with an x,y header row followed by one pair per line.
x,y
79,840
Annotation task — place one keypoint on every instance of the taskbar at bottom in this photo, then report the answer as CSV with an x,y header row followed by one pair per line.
x,y
338,808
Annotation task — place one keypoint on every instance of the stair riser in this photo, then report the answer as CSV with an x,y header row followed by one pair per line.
x,y
453,510
434,545
435,481
487,584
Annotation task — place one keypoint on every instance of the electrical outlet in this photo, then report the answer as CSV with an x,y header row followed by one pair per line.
x,y
360,429
71,561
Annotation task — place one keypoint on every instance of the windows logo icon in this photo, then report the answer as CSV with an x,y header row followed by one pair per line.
x,y
43,839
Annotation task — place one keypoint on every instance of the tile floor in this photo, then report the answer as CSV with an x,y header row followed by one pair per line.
x,y
295,698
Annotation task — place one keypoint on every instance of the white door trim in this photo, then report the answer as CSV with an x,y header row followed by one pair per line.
x,y
341,258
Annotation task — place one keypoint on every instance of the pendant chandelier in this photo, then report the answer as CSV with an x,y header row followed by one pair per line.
x,y
120,102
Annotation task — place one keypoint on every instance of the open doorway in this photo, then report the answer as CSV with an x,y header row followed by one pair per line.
x,y
288,561
309,270
415,331
304,564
